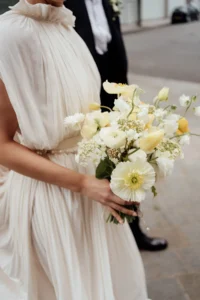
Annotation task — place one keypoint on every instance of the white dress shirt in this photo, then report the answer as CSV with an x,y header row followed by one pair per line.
x,y
99,24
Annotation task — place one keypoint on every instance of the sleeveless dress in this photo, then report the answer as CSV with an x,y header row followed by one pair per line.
x,y
55,244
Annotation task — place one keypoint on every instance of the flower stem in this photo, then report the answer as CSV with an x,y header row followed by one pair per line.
x,y
106,107
132,103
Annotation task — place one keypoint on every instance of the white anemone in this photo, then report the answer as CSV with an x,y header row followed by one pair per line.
x,y
131,180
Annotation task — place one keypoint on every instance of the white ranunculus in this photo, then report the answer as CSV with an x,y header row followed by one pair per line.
x,y
165,166
121,105
140,154
131,180
185,140
197,111
113,138
75,122
184,100
170,127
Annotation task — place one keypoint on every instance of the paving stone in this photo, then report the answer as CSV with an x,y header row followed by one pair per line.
x,y
162,264
191,285
166,289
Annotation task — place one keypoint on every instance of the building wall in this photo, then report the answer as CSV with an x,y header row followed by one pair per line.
x,y
172,4
129,12
154,9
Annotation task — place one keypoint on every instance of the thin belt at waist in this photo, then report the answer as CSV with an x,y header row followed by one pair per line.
x,y
67,146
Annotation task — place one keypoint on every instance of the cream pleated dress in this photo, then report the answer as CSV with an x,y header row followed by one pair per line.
x,y
55,244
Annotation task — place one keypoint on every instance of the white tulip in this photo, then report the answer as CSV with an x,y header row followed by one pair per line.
x,y
163,95
170,127
122,105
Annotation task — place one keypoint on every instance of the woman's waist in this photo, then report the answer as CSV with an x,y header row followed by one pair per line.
x,y
67,146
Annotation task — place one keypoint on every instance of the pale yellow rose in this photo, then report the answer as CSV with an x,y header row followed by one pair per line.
x,y
149,143
163,95
94,106
89,129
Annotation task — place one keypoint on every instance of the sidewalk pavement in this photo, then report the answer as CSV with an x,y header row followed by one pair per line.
x,y
175,214
146,25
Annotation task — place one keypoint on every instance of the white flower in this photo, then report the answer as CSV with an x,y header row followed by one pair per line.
x,y
160,113
131,180
173,117
185,140
121,105
197,111
92,150
165,166
93,123
102,119
139,154
113,138
74,121
170,149
143,115
170,127
132,135
184,100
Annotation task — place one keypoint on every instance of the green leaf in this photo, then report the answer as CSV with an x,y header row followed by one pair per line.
x,y
104,169
154,191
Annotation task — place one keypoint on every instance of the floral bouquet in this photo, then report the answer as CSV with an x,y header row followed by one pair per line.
x,y
135,143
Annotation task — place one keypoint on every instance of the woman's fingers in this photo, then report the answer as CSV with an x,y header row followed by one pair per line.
x,y
116,215
119,201
123,209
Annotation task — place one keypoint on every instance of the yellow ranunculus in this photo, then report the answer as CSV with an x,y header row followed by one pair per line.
x,y
163,95
182,126
149,143
151,119
94,106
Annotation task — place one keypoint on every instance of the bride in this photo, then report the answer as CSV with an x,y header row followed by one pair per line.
x,y
54,241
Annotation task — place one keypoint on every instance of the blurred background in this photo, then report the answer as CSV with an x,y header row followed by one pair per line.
x,y
162,39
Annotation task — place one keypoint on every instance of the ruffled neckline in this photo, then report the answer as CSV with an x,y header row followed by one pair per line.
x,y
45,12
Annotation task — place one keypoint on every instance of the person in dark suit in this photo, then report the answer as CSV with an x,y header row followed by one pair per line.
x,y
99,26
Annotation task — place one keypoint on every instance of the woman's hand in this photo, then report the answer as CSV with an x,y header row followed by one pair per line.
x,y
99,190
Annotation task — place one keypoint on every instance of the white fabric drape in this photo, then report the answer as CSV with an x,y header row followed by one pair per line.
x,y
99,24
55,244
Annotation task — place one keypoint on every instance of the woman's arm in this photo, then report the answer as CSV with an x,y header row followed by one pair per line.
x,y
26,162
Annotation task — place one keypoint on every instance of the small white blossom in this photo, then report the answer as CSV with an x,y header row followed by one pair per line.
x,y
121,105
184,100
74,122
185,140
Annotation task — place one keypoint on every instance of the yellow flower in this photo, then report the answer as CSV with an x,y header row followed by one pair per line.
x,y
149,143
163,95
151,119
182,126
94,106
119,88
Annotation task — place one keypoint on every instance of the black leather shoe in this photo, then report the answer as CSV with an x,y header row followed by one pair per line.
x,y
144,242
151,244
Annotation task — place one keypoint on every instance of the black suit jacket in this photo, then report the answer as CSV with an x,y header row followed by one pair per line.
x,y
113,65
